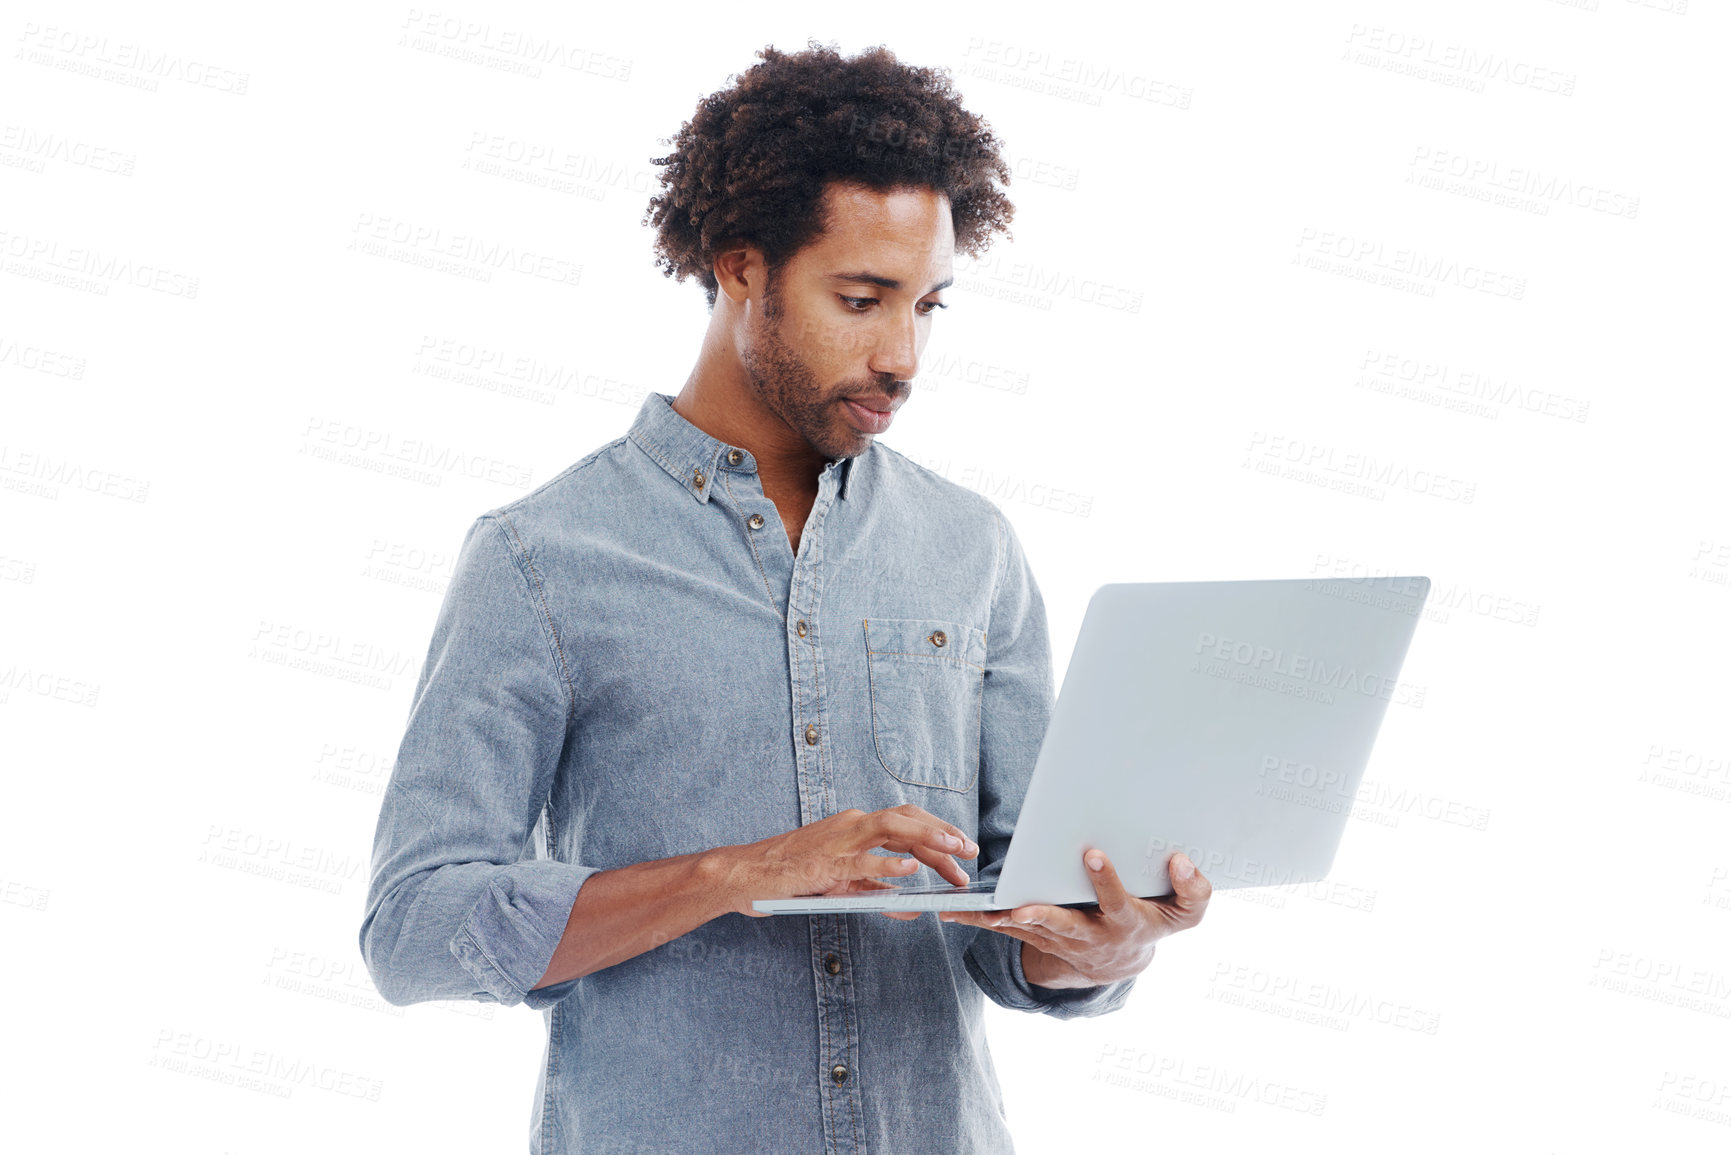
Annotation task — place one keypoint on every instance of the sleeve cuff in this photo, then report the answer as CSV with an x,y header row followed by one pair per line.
x,y
508,939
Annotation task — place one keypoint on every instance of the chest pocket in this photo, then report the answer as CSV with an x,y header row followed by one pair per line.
x,y
928,680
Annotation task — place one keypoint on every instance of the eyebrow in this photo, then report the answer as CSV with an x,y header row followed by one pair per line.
x,y
886,282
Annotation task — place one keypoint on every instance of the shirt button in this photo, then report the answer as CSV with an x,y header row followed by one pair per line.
x,y
839,1074
811,735
697,475
938,638
832,964
801,627
755,521
734,457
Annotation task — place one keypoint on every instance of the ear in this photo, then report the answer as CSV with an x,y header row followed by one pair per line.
x,y
740,271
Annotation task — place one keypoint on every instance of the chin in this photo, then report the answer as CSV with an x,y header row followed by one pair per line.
x,y
842,441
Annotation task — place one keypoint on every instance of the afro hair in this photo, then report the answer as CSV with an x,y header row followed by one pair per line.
x,y
752,162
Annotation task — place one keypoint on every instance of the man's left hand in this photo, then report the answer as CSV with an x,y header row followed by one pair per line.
x,y
1088,946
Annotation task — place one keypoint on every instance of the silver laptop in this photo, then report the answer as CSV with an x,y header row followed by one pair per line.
x,y
1232,720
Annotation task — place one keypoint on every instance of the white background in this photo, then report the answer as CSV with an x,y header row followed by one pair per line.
x,y
1295,290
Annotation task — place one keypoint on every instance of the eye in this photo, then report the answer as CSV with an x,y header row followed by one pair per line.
x,y
862,305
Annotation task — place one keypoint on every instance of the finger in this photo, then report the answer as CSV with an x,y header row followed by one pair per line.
x,y
909,810
903,915
910,826
888,828
1190,890
866,885
931,840
1072,927
868,865
946,866
995,920
863,886
1114,899
1001,921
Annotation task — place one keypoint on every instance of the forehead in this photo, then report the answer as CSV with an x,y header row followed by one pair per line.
x,y
907,227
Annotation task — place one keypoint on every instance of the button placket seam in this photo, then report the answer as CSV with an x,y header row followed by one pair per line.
x,y
803,650
855,1108
751,540
817,922
806,588
813,578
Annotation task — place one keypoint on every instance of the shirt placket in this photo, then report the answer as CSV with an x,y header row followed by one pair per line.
x,y
831,960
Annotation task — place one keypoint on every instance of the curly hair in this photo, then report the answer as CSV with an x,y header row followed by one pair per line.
x,y
752,162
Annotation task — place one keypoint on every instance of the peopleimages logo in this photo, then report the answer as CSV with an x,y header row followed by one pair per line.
x,y
1371,257
1350,470
1423,57
1277,662
382,451
42,475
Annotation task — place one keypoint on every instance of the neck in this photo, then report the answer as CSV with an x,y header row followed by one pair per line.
x,y
718,399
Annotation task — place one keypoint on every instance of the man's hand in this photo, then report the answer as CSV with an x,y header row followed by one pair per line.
x,y
1065,947
834,856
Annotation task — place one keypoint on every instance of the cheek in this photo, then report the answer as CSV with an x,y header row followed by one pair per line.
x,y
834,349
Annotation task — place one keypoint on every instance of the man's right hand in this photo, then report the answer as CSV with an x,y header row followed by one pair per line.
x,y
834,856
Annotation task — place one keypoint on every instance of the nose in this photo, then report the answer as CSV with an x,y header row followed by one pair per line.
x,y
897,352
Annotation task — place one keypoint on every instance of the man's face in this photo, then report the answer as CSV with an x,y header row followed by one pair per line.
x,y
848,315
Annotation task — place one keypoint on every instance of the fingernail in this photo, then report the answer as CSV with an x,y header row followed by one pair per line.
x,y
1185,867
1095,862
952,842
972,847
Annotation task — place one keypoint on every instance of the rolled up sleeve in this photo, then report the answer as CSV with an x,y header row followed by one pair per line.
x,y
1016,706
462,901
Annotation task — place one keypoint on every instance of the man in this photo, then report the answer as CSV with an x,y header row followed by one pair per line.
x,y
738,653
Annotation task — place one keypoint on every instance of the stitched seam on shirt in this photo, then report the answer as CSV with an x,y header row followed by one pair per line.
x,y
824,761
547,1108
751,540
823,1026
931,656
824,758
872,677
965,639
980,726
469,933
546,615
852,1039
1000,552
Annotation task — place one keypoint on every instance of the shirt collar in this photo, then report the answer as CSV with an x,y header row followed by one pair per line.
x,y
692,457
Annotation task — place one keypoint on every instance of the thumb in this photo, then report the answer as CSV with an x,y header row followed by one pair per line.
x,y
1188,884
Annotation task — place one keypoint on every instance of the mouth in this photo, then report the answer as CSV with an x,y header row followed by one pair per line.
x,y
870,414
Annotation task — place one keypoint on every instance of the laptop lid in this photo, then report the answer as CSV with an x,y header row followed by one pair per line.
x,y
1232,720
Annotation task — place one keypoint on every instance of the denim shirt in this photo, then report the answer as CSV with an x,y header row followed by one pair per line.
x,y
632,663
